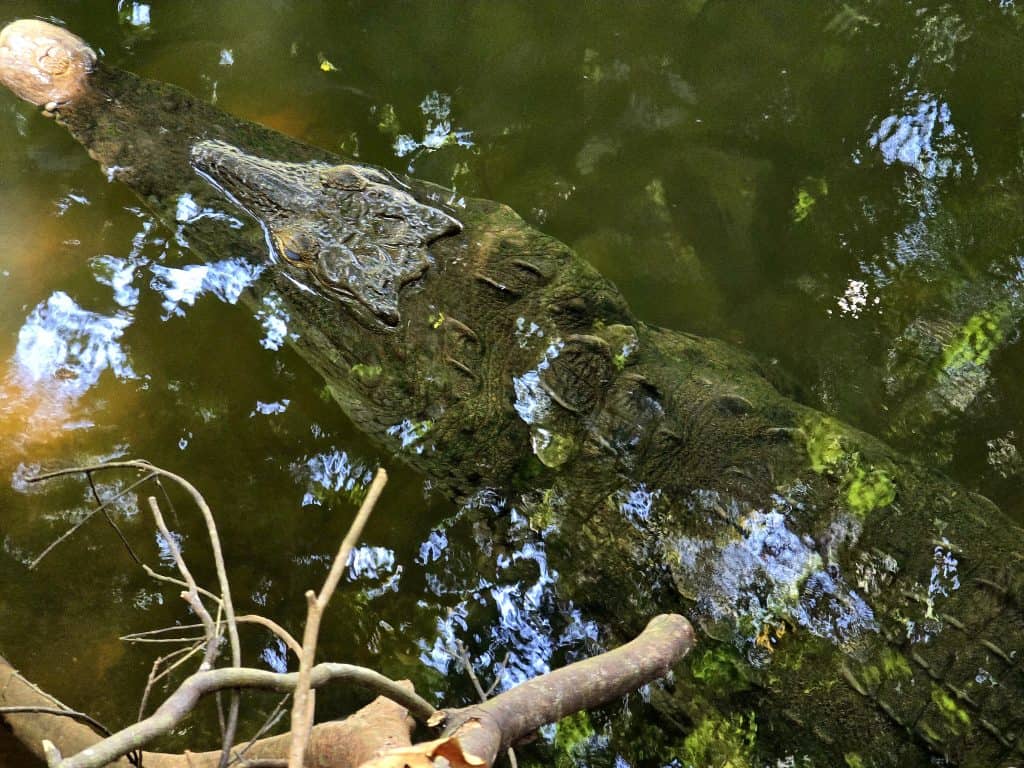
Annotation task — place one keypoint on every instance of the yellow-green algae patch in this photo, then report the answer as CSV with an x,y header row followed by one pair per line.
x,y
573,734
951,711
721,669
892,667
722,741
805,197
366,373
976,340
824,444
868,490
865,487
553,449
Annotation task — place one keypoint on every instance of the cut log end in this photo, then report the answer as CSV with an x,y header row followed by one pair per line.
x,y
44,64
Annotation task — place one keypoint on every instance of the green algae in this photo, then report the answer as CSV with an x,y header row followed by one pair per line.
x,y
805,198
367,374
553,449
722,741
571,738
891,667
976,340
721,669
953,713
865,487
869,489
387,120
824,444
895,665
543,514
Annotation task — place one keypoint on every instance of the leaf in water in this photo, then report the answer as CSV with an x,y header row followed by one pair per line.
x,y
325,64
805,197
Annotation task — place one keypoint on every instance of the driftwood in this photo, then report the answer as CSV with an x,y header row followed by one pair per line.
x,y
377,736
348,743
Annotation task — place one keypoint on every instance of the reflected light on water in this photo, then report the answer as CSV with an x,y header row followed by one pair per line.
x,y
62,351
183,286
527,623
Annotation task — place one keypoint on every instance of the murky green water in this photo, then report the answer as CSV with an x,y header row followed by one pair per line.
x,y
834,187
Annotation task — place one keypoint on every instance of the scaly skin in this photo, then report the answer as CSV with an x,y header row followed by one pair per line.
x,y
870,609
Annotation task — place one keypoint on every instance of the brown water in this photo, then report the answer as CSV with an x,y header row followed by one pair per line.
x,y
835,187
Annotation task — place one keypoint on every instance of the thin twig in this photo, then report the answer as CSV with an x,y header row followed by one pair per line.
x,y
498,675
458,651
191,595
178,582
154,676
110,520
277,629
302,701
463,656
249,618
272,719
191,652
218,559
68,533
162,630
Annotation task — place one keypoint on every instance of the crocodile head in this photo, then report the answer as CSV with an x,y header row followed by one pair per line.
x,y
351,230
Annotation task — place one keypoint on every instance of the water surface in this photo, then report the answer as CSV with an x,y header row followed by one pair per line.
x,y
834,187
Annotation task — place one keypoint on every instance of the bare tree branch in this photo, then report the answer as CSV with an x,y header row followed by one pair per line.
x,y
101,508
180,703
191,595
80,717
110,520
218,559
467,663
475,735
277,629
185,653
302,704
276,714
583,685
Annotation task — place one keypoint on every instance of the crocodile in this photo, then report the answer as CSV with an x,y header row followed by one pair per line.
x,y
856,603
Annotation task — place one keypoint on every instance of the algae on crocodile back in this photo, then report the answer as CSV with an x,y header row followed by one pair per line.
x,y
725,741
805,198
865,486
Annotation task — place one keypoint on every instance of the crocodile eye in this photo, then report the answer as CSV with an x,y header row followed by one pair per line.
x,y
297,246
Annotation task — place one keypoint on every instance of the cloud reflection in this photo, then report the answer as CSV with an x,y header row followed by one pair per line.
x,y
63,344
183,286
514,610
